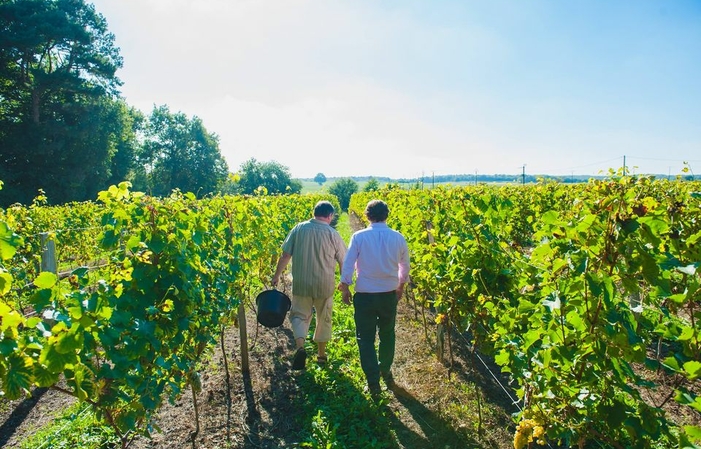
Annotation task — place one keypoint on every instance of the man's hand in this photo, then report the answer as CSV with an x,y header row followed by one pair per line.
x,y
275,280
400,292
345,293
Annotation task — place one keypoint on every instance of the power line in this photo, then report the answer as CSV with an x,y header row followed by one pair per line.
x,y
593,164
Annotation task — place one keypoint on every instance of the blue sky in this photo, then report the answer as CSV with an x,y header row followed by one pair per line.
x,y
415,88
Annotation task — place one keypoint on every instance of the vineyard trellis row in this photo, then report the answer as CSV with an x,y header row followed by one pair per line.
x,y
588,296
130,333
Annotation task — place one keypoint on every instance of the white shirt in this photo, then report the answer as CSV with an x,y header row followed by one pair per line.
x,y
380,257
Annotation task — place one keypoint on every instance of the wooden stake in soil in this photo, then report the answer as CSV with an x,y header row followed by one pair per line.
x,y
228,384
244,339
194,434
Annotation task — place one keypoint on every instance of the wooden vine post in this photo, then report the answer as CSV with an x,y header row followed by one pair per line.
x,y
244,338
48,254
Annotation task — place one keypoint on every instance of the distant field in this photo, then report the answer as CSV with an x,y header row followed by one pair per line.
x,y
313,187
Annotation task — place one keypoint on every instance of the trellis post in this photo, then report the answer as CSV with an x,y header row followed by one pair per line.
x,y
48,253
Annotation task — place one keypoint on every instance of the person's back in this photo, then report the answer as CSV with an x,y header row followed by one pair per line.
x,y
379,251
315,251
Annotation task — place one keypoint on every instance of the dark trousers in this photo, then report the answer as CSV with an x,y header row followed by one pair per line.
x,y
375,314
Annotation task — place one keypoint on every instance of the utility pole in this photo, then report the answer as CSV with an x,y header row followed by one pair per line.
x,y
523,175
624,165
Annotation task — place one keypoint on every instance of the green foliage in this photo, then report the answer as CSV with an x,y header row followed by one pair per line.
x,y
75,427
323,435
571,290
63,128
131,334
372,185
57,66
343,227
320,178
343,188
180,154
127,126
271,176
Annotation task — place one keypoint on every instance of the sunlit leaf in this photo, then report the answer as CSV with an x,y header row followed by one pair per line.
x,y
9,242
692,369
19,377
45,280
5,282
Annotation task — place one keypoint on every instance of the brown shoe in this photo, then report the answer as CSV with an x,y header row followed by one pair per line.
x,y
300,359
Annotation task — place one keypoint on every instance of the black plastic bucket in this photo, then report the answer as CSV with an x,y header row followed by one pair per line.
x,y
272,307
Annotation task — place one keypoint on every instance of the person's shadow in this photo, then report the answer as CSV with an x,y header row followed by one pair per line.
x,y
19,414
436,432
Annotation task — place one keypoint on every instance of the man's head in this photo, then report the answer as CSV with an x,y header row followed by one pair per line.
x,y
376,211
323,209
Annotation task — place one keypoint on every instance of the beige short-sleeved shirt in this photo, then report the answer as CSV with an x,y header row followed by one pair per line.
x,y
316,249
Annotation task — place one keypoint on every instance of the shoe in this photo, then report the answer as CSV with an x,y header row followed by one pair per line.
x,y
300,359
389,380
321,360
375,392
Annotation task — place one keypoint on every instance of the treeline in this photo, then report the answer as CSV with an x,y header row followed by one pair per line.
x,y
466,178
514,178
65,130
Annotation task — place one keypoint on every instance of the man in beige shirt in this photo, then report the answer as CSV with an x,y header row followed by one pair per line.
x,y
314,248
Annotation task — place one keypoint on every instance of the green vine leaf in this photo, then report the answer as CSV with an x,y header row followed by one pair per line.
x,y
46,280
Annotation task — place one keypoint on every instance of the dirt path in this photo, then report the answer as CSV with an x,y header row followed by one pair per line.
x,y
433,411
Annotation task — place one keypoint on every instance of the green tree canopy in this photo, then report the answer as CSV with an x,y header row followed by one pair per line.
x,y
272,175
57,89
343,188
179,153
372,185
320,178
126,124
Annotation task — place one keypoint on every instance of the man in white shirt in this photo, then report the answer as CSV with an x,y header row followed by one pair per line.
x,y
379,256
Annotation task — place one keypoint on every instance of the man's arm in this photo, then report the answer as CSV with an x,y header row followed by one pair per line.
x,y
281,264
403,271
347,269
